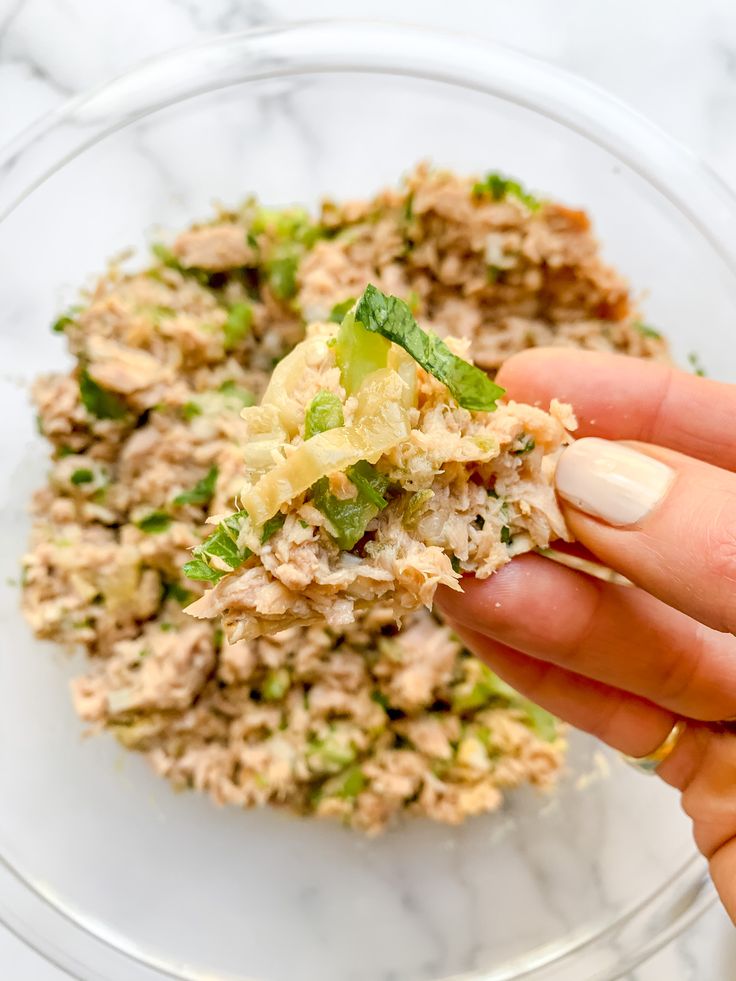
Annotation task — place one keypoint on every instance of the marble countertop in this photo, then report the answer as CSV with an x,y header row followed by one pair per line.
x,y
675,62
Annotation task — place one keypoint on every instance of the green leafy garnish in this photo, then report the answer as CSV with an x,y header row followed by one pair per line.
x,y
391,318
98,401
455,563
200,571
154,523
500,187
324,412
202,491
238,324
221,544
82,476
271,526
506,535
646,331
337,314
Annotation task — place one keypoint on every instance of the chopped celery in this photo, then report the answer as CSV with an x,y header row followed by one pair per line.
x,y
276,685
237,325
358,352
324,412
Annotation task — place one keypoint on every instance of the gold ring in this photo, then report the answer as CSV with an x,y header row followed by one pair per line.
x,y
649,763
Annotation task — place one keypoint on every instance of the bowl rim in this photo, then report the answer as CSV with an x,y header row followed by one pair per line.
x,y
331,46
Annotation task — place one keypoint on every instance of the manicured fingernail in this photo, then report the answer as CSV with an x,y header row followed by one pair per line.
x,y
611,481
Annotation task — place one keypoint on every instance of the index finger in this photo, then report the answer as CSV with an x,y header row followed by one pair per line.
x,y
619,397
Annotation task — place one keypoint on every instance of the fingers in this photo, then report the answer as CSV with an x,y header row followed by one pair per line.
x,y
703,767
615,635
619,397
623,721
723,873
665,521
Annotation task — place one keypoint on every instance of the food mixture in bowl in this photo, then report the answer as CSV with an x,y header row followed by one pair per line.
x,y
358,719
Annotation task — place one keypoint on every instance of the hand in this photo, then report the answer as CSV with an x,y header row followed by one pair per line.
x,y
625,663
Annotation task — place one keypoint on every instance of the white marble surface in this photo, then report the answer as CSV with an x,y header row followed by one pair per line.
x,y
674,61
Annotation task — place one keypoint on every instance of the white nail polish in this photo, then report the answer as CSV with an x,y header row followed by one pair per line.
x,y
611,481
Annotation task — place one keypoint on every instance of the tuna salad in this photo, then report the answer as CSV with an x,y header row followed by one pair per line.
x,y
379,465
347,714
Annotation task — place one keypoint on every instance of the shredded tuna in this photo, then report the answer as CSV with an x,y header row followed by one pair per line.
x,y
343,714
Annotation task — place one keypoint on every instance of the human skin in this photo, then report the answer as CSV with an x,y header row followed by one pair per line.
x,y
623,662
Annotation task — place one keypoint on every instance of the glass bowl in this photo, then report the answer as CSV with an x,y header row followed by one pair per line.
x,y
104,869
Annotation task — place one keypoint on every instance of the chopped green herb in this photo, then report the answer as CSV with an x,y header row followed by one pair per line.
x,y
154,523
696,364
350,518
238,324
82,476
64,451
494,274
177,592
371,484
506,535
202,491
60,325
166,627
218,637
303,523
271,526
98,401
165,256
455,563
391,318
324,412
221,544
200,571
337,314
380,699
645,330
526,445
499,187
190,409
275,685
